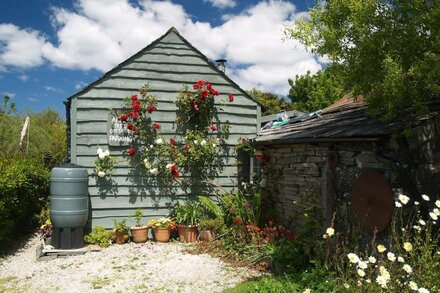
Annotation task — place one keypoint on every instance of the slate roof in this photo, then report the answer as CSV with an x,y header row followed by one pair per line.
x,y
346,120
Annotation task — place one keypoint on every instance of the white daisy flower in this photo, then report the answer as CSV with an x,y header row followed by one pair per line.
x,y
400,259
398,204
361,273
407,268
425,197
362,265
437,203
372,259
413,285
382,281
391,256
403,198
381,248
330,231
423,290
353,257
416,203
433,216
436,211
407,246
423,223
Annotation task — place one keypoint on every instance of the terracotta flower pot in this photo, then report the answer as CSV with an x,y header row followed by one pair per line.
x,y
139,234
120,237
162,234
187,233
207,235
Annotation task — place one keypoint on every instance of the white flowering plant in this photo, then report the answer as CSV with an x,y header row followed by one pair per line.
x,y
104,163
406,260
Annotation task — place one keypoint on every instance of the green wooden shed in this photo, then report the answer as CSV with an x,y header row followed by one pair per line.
x,y
167,64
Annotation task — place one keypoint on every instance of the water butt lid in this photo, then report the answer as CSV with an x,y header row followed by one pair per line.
x,y
372,201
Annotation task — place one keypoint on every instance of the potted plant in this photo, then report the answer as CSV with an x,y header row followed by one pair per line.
x,y
161,229
139,233
187,216
120,232
209,227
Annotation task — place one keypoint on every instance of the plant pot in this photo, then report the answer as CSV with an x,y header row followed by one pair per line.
x,y
207,235
162,234
119,237
187,233
139,234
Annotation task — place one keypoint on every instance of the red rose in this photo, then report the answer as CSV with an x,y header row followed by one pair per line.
x,y
173,142
131,151
231,98
134,97
173,168
135,115
205,94
208,86
200,83
123,118
214,92
196,86
156,125
130,126
175,174
195,106
213,127
151,108
136,106
259,155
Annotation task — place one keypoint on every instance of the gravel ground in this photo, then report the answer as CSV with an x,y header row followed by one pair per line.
x,y
148,267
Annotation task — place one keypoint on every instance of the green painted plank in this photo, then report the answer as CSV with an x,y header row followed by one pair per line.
x,y
172,45
126,212
164,94
175,76
101,139
127,197
166,127
166,67
106,103
168,116
172,37
170,51
159,85
186,59
73,130
123,180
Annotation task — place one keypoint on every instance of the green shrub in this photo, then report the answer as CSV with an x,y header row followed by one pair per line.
x,y
24,190
288,257
98,236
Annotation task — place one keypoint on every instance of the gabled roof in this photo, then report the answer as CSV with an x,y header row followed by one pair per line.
x,y
172,30
345,120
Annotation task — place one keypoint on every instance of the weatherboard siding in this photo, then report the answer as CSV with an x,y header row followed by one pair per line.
x,y
167,65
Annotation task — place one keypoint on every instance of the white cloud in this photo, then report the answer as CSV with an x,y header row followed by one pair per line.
x,y
99,34
32,99
222,3
80,85
53,89
11,95
23,77
20,47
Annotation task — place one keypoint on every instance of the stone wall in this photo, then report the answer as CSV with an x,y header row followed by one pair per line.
x,y
301,175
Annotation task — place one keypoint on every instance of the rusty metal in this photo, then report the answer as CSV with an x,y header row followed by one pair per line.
x,y
372,201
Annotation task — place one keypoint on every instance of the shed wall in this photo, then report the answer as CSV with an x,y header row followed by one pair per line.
x,y
167,65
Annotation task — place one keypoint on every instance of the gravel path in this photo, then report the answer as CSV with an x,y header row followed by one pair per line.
x,y
148,267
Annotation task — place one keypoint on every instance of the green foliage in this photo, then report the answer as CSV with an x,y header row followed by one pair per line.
x,y
24,192
289,257
211,207
188,213
98,236
315,279
388,51
211,224
245,204
138,217
272,104
121,226
310,93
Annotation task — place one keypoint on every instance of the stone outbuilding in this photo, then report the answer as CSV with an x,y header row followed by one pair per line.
x,y
340,155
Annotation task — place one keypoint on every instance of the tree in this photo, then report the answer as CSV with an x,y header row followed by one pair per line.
x,y
310,93
271,103
388,51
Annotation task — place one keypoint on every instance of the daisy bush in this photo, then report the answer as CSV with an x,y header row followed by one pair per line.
x,y
104,164
407,260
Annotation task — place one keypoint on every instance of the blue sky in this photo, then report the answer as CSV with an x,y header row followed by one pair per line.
x,y
50,49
